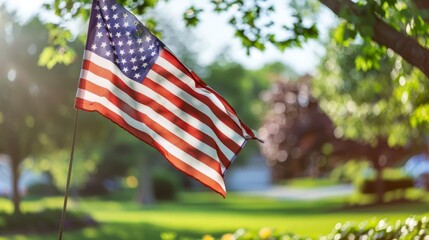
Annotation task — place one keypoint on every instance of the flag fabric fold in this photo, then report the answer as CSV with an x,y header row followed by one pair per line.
x,y
130,77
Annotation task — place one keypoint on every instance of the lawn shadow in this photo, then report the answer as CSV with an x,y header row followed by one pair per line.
x,y
116,231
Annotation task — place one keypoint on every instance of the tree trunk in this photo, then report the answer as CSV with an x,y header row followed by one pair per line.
x,y
145,191
379,184
15,158
16,198
422,4
13,150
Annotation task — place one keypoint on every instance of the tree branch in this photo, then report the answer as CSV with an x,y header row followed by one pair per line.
x,y
422,4
385,35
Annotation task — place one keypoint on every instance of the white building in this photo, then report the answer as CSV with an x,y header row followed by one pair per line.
x,y
253,175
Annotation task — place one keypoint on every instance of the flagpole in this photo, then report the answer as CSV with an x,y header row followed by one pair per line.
x,y
66,194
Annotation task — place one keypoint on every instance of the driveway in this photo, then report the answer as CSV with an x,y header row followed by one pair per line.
x,y
306,194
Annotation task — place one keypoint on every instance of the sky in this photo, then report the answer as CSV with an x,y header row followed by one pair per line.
x,y
214,35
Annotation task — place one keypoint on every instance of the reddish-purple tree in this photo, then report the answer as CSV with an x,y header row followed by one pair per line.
x,y
300,139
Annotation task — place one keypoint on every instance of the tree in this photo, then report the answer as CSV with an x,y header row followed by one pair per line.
x,y
36,110
26,105
375,104
301,139
380,107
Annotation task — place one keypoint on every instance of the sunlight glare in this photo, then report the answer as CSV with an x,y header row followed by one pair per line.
x,y
11,75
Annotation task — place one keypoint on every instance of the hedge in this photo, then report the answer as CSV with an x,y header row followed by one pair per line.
x,y
45,221
413,228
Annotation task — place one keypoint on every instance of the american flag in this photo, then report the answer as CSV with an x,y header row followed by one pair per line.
x,y
130,77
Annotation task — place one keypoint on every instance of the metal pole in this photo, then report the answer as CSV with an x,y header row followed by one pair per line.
x,y
66,194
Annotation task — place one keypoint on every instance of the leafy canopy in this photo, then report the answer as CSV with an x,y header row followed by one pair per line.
x,y
389,23
385,36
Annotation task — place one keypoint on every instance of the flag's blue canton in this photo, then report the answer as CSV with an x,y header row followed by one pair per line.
x,y
120,37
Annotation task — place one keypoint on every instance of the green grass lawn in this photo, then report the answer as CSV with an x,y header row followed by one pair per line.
x,y
196,214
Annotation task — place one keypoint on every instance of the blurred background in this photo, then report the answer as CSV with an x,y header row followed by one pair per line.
x,y
337,90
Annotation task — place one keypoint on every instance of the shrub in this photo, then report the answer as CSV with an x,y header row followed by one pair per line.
x,y
349,171
411,228
93,187
369,186
164,189
43,189
166,184
423,181
42,222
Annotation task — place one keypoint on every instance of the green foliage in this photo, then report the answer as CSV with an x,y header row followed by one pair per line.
x,y
59,50
42,222
50,57
358,23
370,57
344,34
191,16
36,104
349,171
311,182
411,228
368,186
43,124
396,184
85,163
118,159
166,184
265,233
371,104
43,189
301,34
252,20
420,116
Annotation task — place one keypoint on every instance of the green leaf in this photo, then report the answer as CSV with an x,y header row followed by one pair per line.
x,y
45,58
51,56
367,31
191,16
420,116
